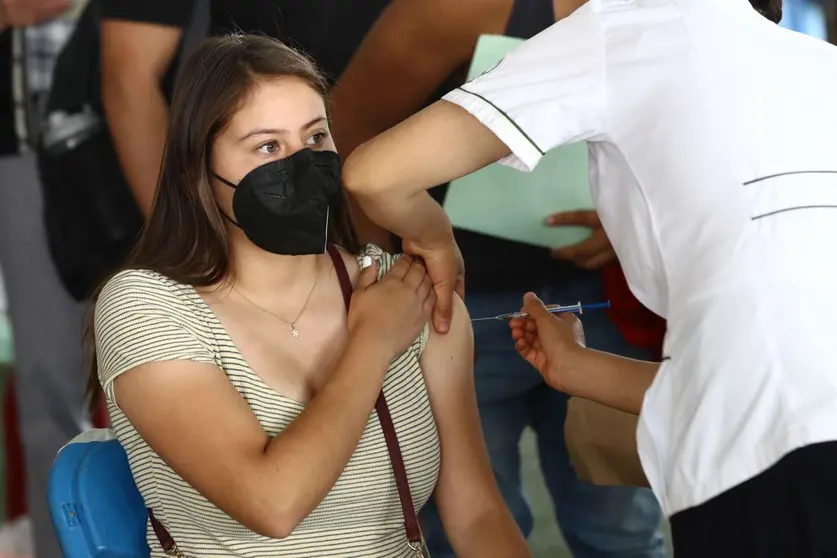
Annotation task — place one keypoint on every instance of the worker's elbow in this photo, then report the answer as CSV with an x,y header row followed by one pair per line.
x,y
357,174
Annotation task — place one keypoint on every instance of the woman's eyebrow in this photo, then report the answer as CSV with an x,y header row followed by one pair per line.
x,y
317,120
279,131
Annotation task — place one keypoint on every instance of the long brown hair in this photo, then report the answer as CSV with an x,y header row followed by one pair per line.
x,y
185,236
771,9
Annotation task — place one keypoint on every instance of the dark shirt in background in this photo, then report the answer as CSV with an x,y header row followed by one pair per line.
x,y
173,13
327,30
8,135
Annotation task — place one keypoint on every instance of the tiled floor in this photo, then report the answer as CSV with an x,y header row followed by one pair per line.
x,y
546,540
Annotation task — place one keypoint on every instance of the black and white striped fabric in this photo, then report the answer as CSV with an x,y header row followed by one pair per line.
x,y
144,317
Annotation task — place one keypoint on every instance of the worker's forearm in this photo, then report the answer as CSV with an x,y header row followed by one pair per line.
x,y
302,463
416,217
368,231
432,147
137,116
609,379
390,175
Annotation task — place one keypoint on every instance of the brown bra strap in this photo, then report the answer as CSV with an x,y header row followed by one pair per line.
x,y
342,274
411,524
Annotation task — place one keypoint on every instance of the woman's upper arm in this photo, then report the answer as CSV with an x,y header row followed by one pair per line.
x,y
466,486
162,376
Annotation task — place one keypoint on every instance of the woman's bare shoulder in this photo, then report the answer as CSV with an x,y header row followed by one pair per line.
x,y
452,353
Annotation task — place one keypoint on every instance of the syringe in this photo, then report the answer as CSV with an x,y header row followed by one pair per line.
x,y
576,308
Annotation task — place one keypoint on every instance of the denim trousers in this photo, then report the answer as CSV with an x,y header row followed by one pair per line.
x,y
596,521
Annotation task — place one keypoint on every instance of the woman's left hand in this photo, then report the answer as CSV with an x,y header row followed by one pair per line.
x,y
549,342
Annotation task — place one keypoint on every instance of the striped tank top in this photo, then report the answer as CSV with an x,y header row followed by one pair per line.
x,y
143,317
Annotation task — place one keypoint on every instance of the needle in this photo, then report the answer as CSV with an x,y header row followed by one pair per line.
x,y
577,308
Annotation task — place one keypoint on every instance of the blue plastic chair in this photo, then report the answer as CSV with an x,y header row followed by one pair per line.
x,y
96,508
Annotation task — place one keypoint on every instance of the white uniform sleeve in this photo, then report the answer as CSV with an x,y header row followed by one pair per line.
x,y
549,92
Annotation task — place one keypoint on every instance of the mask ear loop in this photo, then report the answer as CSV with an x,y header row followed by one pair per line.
x,y
221,211
225,181
325,246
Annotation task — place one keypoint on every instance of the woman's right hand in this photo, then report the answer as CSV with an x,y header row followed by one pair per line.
x,y
394,309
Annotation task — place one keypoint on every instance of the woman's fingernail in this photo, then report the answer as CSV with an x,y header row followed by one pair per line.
x,y
366,262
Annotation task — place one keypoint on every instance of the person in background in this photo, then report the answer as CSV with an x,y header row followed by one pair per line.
x,y
413,51
46,321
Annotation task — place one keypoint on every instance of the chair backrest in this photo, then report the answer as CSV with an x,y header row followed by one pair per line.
x,y
96,508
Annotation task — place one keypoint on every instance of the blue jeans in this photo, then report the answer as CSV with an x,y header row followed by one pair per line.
x,y
596,521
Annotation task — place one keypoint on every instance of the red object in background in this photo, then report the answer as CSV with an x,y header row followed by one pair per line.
x,y
15,485
639,325
99,416
15,471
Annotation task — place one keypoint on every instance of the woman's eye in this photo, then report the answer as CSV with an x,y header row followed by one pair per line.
x,y
269,148
318,138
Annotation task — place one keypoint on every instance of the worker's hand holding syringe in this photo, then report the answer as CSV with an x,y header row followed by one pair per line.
x,y
547,340
552,340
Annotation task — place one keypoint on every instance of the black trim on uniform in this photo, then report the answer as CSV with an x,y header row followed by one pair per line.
x,y
509,118
790,173
785,210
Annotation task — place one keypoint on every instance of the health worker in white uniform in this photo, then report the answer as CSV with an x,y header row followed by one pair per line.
x,y
712,135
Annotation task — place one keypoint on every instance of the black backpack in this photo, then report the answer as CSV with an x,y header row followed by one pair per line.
x,y
92,220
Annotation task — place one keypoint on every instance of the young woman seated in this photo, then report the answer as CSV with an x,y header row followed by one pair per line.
x,y
239,379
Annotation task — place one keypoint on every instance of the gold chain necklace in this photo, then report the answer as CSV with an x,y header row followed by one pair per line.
x,y
292,324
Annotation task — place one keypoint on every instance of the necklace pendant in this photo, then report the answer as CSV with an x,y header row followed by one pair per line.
x,y
294,332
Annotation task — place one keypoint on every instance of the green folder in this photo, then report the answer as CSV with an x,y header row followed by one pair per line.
x,y
506,203
6,346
